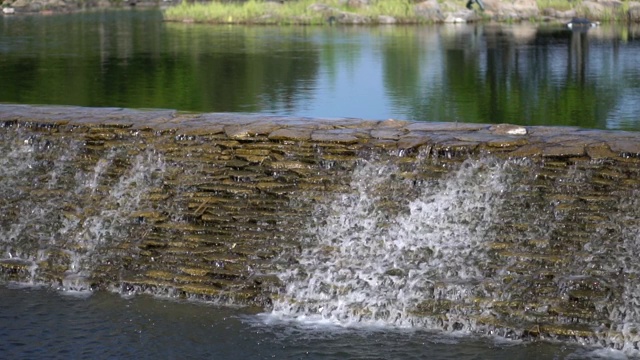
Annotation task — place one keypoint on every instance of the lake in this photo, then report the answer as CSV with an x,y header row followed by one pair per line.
x,y
517,73
525,74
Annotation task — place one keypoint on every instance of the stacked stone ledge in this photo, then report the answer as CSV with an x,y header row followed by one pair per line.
x,y
503,140
236,189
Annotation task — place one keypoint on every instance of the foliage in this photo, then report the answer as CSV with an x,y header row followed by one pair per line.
x,y
290,12
396,8
252,11
561,5
317,12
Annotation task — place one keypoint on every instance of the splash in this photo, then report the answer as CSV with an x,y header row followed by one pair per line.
x,y
374,255
621,258
68,211
108,224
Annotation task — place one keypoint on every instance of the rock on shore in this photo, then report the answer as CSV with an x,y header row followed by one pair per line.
x,y
448,11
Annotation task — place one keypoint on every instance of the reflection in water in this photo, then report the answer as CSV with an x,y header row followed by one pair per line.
x,y
578,55
530,76
522,74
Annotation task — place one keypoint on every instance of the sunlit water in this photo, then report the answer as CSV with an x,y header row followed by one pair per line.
x,y
39,323
527,74
328,310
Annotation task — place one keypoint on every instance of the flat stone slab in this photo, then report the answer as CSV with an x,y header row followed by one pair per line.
x,y
514,140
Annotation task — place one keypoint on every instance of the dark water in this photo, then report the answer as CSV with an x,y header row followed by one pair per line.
x,y
39,323
522,74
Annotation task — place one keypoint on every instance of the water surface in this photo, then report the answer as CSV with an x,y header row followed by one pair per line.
x,y
525,74
508,73
40,323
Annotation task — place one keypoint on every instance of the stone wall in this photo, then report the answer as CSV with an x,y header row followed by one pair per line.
x,y
222,198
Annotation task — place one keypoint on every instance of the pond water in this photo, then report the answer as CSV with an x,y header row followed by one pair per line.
x,y
500,73
523,74
39,323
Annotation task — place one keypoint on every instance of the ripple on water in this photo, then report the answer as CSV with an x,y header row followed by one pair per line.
x,y
38,323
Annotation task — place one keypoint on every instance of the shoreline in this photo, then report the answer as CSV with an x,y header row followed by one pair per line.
x,y
343,12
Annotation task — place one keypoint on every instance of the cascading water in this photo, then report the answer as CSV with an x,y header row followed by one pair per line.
x,y
376,254
61,215
505,247
440,239
621,257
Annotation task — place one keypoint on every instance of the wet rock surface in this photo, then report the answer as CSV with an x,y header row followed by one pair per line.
x,y
232,130
216,207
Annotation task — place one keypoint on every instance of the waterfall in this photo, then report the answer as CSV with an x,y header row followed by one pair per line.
x,y
468,250
335,228
63,208
375,254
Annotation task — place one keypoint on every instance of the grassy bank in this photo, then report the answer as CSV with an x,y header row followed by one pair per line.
x,y
290,12
315,12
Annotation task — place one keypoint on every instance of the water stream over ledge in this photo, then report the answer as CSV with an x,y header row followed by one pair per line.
x,y
381,253
522,232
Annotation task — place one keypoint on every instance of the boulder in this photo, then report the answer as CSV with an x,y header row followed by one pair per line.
x,y
599,10
492,6
526,8
21,3
550,12
471,15
634,11
385,19
429,10
352,18
569,14
516,9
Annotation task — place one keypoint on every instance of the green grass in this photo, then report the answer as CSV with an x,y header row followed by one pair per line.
x,y
609,14
561,5
291,12
298,12
252,11
401,9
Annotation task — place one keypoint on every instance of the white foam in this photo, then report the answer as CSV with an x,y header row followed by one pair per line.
x,y
363,263
85,212
602,353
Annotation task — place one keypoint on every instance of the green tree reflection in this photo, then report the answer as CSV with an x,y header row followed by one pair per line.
x,y
487,74
134,60
491,75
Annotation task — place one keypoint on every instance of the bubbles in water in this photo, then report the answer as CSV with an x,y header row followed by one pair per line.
x,y
624,334
63,211
374,255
